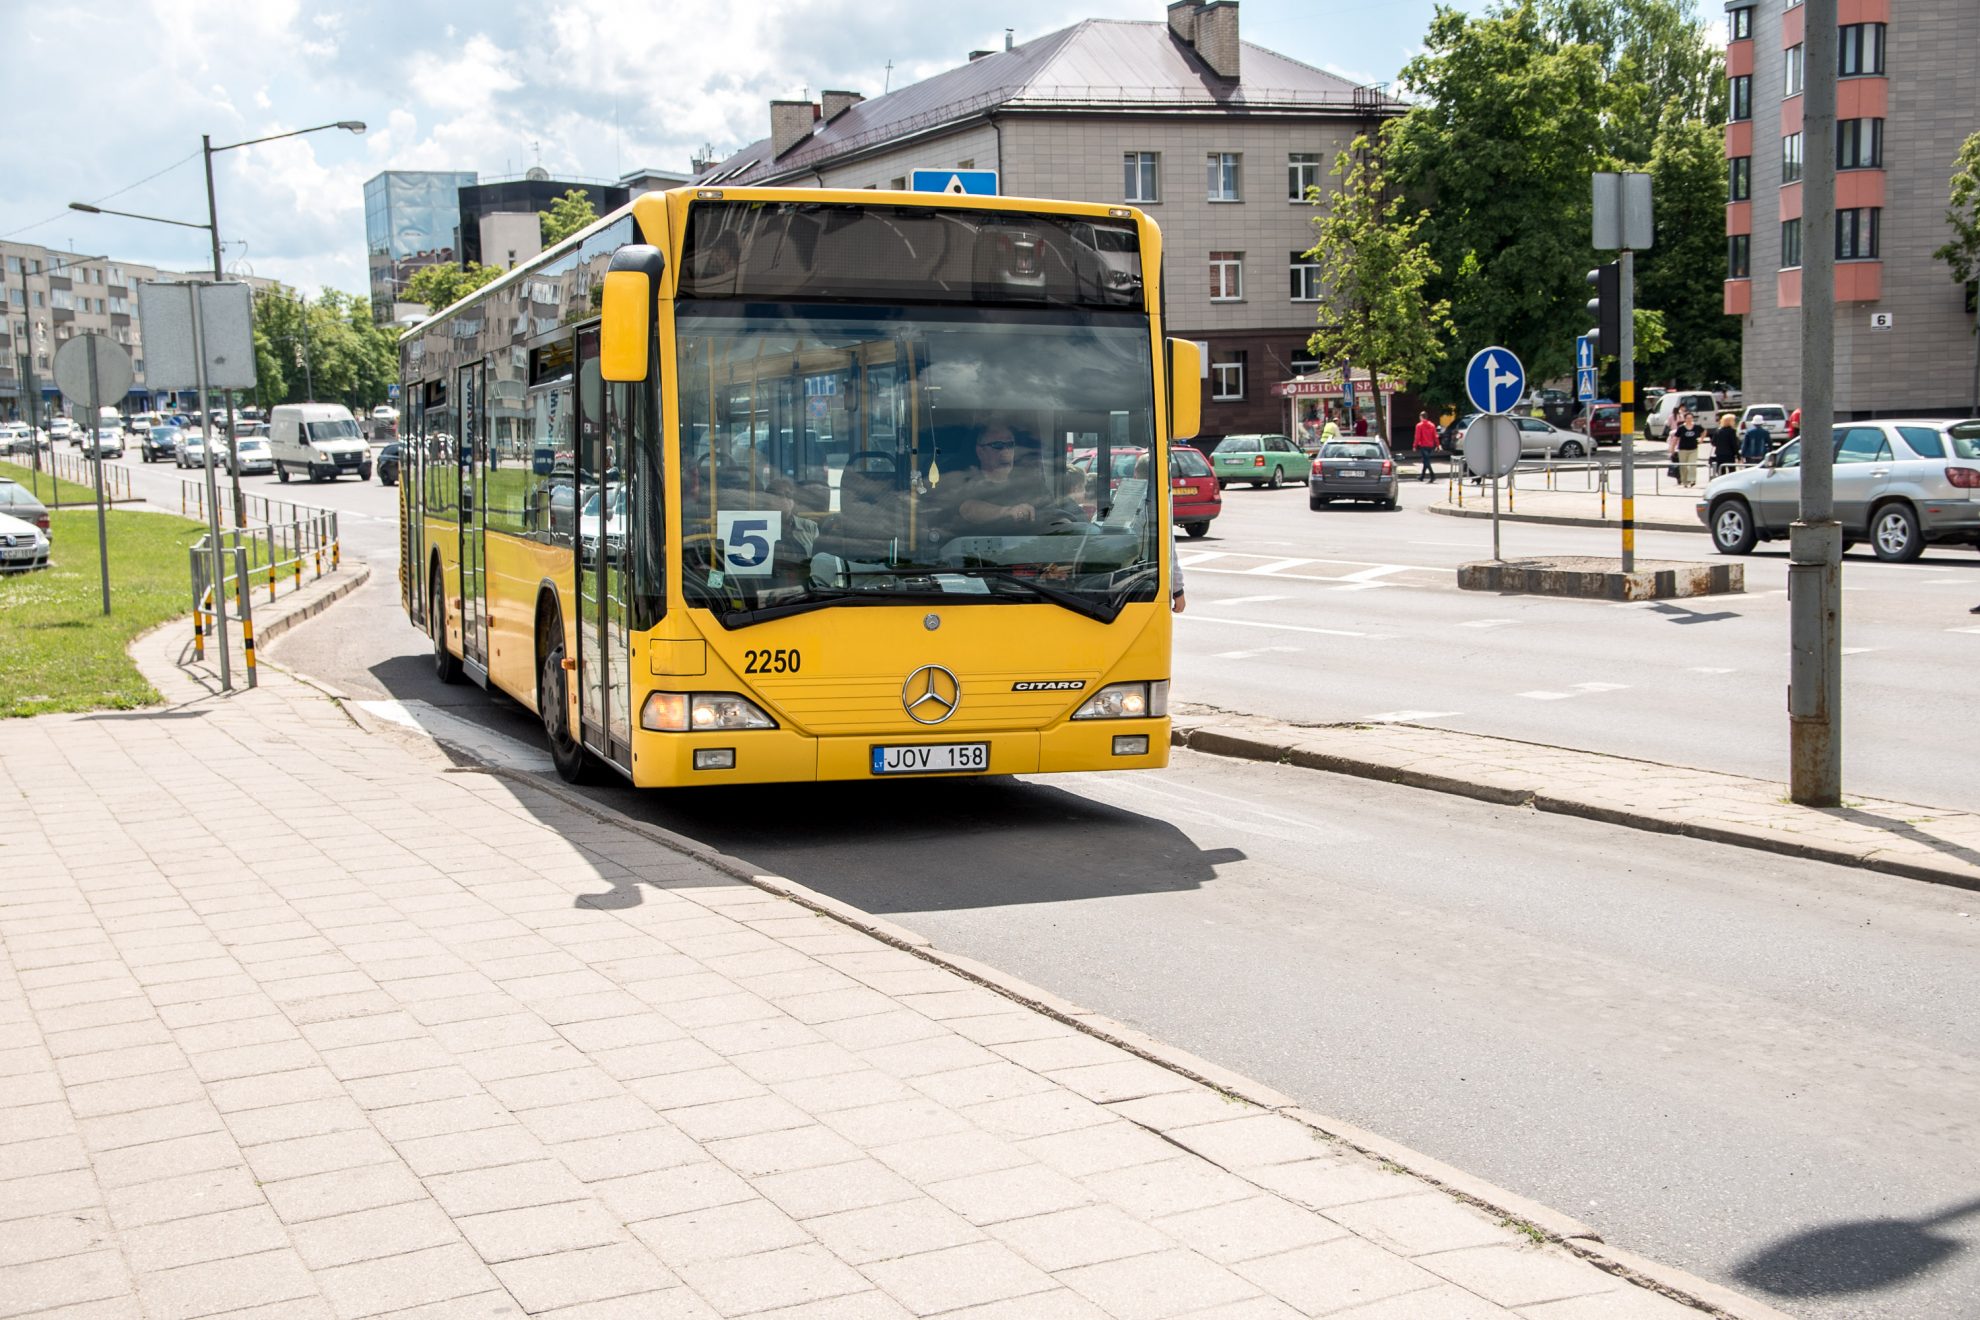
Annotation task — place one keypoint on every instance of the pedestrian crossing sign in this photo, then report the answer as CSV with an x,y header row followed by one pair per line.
x,y
974,183
1584,384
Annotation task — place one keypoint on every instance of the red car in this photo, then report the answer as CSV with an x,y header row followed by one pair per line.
x,y
1601,423
1193,491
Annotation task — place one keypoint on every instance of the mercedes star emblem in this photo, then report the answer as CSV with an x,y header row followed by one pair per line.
x,y
931,694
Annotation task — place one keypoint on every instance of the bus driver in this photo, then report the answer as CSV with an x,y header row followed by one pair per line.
x,y
994,498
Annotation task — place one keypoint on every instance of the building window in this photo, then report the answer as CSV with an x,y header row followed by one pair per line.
x,y
1856,233
1790,244
1791,74
1791,158
1859,144
1739,185
1742,97
1302,173
1143,170
1226,276
1227,377
898,183
1860,49
1303,363
1739,257
1741,24
1223,172
969,164
1305,278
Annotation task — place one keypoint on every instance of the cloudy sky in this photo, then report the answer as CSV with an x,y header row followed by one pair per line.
x,y
107,99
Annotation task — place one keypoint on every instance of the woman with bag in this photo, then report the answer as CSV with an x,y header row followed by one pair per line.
x,y
1688,436
1725,445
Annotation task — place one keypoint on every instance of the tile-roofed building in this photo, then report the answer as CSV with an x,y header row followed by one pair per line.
x,y
1216,137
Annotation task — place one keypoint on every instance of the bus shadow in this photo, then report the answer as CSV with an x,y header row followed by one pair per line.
x,y
937,845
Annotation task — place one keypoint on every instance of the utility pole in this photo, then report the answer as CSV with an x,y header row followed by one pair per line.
x,y
1815,539
1624,218
219,275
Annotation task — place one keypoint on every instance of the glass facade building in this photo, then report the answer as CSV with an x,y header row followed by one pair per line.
x,y
411,219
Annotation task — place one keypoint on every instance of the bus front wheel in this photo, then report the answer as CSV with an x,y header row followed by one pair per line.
x,y
446,665
553,699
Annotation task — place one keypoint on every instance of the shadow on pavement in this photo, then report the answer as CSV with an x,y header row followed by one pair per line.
x,y
1904,829
1859,1256
1679,614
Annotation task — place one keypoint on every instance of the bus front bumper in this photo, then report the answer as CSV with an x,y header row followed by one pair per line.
x,y
771,756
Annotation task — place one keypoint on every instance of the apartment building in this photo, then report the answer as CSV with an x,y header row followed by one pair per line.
x,y
50,296
1904,330
1217,138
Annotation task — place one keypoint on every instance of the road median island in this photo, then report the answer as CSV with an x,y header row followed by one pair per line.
x,y
1575,508
1939,845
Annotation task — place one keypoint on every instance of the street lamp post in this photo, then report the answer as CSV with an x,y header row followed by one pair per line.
x,y
212,228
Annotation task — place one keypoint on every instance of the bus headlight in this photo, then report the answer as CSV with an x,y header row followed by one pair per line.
x,y
682,712
1126,701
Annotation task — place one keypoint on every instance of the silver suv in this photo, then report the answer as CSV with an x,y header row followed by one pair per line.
x,y
1899,484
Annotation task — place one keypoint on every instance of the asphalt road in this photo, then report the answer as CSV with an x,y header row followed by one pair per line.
x,y
1762,1070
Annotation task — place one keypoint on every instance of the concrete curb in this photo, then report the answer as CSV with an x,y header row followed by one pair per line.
x,y
1227,742
1551,520
268,632
1571,1233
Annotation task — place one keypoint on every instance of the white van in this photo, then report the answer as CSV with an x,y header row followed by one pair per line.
x,y
1657,422
317,440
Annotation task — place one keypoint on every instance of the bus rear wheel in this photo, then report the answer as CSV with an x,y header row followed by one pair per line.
x,y
553,699
446,665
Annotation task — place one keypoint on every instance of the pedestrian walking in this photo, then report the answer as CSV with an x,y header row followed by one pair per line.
x,y
1425,445
1753,446
1725,445
1794,425
1331,431
1685,436
1361,424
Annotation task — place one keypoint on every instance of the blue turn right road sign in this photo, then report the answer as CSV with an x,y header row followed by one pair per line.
x,y
1495,380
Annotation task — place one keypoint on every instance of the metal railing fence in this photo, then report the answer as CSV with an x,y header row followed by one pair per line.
x,y
269,556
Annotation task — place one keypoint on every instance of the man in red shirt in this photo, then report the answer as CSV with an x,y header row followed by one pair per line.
x,y
1425,445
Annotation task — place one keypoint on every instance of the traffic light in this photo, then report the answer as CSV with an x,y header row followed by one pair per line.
x,y
1606,308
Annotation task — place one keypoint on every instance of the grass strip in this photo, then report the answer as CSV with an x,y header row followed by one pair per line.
x,y
60,651
47,487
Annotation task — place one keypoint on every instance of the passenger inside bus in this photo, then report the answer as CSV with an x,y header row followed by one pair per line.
x,y
1009,491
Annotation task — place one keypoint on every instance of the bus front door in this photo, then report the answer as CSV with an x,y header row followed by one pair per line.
x,y
603,541
474,488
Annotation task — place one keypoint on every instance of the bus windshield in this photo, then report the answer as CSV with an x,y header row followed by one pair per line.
x,y
845,454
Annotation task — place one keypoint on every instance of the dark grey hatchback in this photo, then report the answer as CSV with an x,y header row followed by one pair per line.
x,y
1355,469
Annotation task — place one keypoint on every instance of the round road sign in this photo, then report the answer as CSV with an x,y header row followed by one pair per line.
x,y
1491,445
114,376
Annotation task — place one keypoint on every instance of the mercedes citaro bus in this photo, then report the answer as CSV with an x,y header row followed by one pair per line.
x,y
700,485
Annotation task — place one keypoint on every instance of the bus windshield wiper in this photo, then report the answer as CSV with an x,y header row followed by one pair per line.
x,y
1071,600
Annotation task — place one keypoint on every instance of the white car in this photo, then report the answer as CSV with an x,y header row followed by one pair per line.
x,y
23,546
1701,403
1773,416
190,452
108,443
249,454
61,428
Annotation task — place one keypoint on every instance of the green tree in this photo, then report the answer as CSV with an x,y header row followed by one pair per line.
x,y
1514,109
443,285
1373,270
1962,252
568,214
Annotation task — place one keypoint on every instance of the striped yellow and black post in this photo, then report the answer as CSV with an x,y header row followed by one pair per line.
x,y
1627,388
247,646
199,631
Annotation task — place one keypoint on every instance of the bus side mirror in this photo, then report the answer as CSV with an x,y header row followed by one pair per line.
x,y
627,307
1185,389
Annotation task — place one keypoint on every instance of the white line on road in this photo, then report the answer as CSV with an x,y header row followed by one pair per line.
x,y
1408,716
1860,650
1580,690
1487,623
1278,565
1263,650
1708,669
1964,630
1251,600
1287,627
1202,557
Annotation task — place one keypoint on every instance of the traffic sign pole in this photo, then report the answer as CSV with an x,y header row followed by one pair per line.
x,y
1626,396
96,450
212,493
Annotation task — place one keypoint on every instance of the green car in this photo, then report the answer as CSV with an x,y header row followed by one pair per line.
x,y
1262,460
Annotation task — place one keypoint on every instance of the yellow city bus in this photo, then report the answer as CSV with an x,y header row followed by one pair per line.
x,y
752,485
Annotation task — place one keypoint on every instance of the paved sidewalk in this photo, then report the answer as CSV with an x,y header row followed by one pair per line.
x,y
300,1020
1900,838
1670,509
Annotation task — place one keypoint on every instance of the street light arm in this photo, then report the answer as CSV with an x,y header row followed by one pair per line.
x,y
351,125
88,209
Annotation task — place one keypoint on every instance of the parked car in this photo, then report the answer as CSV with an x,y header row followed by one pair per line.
x,y
1601,423
1658,420
1773,416
23,546
18,501
160,442
108,443
17,438
388,464
1900,484
1539,438
1262,460
247,456
1354,469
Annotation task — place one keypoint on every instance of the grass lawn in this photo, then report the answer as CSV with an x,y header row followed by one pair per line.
x,y
44,484
58,651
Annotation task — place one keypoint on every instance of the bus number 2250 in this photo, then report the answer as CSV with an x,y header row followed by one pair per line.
x,y
779,661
